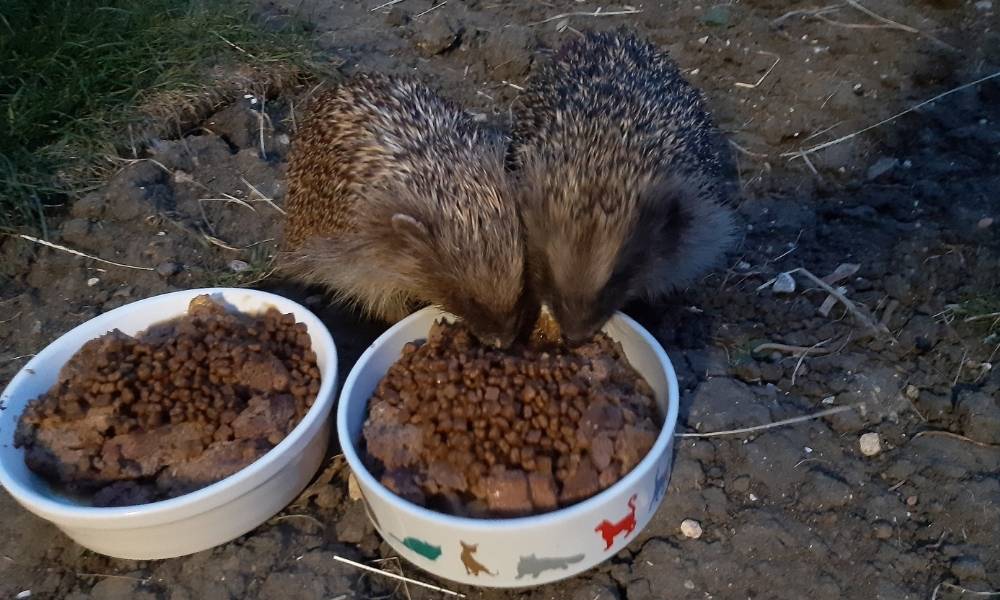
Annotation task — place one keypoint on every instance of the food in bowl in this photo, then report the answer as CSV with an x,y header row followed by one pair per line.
x,y
175,408
473,431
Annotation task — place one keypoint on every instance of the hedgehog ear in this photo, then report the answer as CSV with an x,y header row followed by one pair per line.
x,y
406,225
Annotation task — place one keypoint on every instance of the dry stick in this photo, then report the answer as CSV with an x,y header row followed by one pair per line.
x,y
802,357
773,347
993,315
78,253
386,5
818,415
894,25
805,12
850,306
823,146
399,577
954,436
962,590
762,77
435,7
263,198
596,13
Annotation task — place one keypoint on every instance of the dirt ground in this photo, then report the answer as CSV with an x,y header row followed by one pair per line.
x,y
788,512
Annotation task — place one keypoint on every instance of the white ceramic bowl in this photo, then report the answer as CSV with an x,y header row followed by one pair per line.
x,y
193,522
525,551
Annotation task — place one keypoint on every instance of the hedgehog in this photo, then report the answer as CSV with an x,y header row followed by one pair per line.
x,y
625,188
397,199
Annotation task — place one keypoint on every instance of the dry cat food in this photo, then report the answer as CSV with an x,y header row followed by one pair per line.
x,y
474,431
180,406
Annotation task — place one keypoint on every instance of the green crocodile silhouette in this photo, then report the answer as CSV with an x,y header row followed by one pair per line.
x,y
425,549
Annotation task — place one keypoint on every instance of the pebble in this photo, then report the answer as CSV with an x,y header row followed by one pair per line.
x,y
912,501
353,489
912,392
783,284
882,530
691,529
238,266
93,281
871,444
167,268
984,223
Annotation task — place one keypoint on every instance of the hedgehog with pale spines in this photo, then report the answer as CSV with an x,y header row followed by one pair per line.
x,y
625,185
397,199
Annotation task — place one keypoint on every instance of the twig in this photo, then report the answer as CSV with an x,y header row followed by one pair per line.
x,y
399,577
818,415
823,146
803,356
107,576
78,253
805,12
882,19
13,358
386,5
962,590
773,347
218,35
263,198
309,518
435,7
743,150
954,436
850,306
993,315
596,13
777,59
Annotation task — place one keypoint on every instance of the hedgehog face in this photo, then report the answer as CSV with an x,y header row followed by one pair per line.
x,y
587,264
476,274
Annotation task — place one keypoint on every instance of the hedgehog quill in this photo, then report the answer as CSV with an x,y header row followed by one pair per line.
x,y
625,185
398,199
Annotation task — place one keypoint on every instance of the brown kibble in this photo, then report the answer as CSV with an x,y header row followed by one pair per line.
x,y
169,398
535,430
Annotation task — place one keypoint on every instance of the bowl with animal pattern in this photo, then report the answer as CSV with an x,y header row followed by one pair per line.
x,y
523,551
195,521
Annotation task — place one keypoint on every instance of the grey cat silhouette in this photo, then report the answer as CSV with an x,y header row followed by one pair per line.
x,y
532,565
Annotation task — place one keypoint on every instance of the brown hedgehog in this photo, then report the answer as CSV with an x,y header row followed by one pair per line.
x,y
396,198
625,181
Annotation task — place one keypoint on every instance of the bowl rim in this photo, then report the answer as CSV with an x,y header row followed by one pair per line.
x,y
200,500
662,444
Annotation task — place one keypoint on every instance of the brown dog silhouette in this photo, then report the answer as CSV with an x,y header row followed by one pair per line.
x,y
609,531
472,566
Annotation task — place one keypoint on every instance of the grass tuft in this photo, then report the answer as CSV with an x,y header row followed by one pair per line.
x,y
81,80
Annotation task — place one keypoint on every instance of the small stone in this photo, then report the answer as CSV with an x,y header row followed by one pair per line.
x,y
691,529
718,16
912,501
968,569
238,266
354,525
984,223
882,530
93,281
984,5
437,36
784,283
881,167
167,268
688,584
353,489
871,444
912,392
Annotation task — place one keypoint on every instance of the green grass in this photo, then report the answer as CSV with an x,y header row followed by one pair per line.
x,y
73,72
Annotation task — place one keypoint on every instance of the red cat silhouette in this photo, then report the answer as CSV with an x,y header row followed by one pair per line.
x,y
609,531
